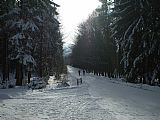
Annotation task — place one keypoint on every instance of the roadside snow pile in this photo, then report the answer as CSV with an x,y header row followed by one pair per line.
x,y
11,83
123,82
63,81
62,84
37,83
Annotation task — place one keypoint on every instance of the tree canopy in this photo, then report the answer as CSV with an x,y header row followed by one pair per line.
x,y
121,36
31,38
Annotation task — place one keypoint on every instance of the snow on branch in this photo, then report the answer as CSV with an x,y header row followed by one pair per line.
x,y
28,59
137,60
129,28
25,58
15,39
30,25
39,18
18,24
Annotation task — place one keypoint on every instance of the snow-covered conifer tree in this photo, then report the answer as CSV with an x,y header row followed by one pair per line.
x,y
136,31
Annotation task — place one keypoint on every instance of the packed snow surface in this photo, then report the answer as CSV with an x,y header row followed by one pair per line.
x,y
97,98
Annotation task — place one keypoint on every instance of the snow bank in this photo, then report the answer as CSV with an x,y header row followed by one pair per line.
x,y
123,82
37,83
11,83
62,84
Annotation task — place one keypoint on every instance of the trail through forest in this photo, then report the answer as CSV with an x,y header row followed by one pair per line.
x,y
97,98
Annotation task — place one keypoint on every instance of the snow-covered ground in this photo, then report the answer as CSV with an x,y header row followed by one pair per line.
x,y
98,98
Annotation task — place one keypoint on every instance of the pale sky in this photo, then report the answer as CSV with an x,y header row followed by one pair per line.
x,y
72,13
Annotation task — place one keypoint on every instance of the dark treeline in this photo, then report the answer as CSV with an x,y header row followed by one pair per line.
x,y
121,38
30,39
95,50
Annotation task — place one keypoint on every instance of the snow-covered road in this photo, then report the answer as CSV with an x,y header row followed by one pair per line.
x,y
124,101
98,98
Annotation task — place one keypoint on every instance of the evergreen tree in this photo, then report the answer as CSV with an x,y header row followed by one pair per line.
x,y
6,6
32,38
136,33
95,50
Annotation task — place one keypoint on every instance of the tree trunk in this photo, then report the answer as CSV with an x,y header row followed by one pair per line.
x,y
29,76
5,62
19,74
